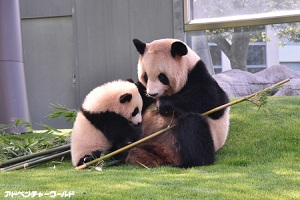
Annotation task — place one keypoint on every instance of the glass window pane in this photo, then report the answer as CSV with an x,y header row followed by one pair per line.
x,y
211,14
220,8
256,55
249,35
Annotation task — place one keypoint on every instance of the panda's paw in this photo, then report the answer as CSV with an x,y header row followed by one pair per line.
x,y
166,111
165,108
88,159
85,159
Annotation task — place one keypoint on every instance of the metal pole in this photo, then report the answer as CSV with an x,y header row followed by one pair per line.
x,y
13,94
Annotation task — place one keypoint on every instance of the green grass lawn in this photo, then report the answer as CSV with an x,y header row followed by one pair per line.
x,y
260,160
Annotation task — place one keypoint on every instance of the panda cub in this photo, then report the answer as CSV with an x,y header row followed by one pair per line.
x,y
177,78
106,121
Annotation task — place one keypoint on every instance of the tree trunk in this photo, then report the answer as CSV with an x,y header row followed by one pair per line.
x,y
237,51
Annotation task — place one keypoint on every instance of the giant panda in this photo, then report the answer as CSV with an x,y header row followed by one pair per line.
x,y
177,78
106,121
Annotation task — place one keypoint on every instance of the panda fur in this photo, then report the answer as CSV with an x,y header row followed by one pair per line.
x,y
106,121
177,78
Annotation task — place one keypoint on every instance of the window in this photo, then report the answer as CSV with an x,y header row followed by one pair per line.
x,y
204,14
256,58
238,32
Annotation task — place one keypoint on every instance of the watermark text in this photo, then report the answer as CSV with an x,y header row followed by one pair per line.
x,y
31,194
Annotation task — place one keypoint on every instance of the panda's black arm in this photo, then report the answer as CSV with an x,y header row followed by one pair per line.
x,y
147,101
195,100
115,127
200,94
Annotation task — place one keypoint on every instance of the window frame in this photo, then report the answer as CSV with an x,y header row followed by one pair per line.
x,y
236,21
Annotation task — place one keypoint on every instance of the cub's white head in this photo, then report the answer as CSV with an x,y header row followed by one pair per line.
x,y
121,97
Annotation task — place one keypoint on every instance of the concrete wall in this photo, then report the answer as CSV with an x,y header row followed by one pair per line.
x,y
72,46
105,30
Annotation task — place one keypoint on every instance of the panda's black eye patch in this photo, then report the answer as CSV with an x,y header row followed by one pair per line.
x,y
145,77
135,112
163,79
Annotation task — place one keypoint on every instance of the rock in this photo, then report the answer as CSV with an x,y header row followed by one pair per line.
x,y
237,83
291,88
277,73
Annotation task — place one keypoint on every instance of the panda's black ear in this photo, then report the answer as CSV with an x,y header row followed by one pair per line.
x,y
140,46
125,97
178,48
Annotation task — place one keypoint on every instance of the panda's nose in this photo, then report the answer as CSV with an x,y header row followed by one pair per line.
x,y
153,95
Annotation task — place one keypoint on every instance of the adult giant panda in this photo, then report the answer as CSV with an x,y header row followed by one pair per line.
x,y
106,121
177,78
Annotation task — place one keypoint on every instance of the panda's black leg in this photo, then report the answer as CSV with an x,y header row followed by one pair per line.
x,y
195,140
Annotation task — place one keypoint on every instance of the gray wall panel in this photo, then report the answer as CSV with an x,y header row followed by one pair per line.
x,y
105,30
45,8
102,28
49,66
148,21
94,43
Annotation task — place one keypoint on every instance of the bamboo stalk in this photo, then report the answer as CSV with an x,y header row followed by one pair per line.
x,y
170,127
26,157
40,161
125,148
23,162
246,97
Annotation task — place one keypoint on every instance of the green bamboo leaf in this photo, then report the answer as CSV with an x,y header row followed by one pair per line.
x,y
17,121
26,141
25,124
50,128
62,111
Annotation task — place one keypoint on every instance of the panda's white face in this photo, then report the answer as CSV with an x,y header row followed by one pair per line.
x,y
164,65
136,117
154,75
129,104
121,97
135,105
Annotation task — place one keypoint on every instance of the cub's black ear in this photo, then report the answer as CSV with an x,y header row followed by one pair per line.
x,y
130,80
140,46
178,48
125,97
